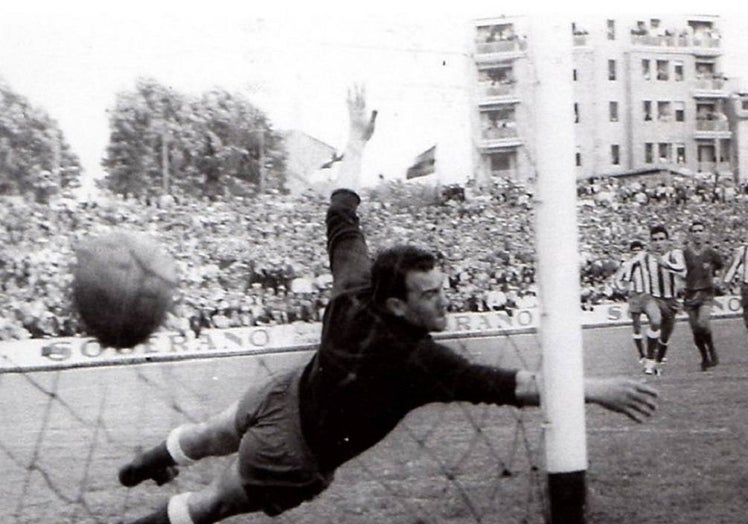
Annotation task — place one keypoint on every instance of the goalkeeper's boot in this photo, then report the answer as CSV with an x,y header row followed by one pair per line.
x,y
155,464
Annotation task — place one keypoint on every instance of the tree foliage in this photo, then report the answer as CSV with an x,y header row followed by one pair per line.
x,y
164,142
35,159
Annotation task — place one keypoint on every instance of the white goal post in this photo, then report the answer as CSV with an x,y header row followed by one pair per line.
x,y
562,397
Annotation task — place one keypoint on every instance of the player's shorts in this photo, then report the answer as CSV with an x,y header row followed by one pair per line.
x,y
277,468
695,298
637,302
669,307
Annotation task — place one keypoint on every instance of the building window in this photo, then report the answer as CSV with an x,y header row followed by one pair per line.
x,y
615,154
647,110
678,71
611,24
578,158
704,70
744,105
680,153
648,153
613,111
574,74
679,108
662,70
663,152
576,113
611,69
646,74
663,112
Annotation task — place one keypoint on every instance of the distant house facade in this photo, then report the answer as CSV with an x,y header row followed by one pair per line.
x,y
310,162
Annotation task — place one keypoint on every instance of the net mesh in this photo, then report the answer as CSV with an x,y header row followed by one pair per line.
x,y
65,434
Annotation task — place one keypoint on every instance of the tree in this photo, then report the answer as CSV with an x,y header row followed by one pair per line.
x,y
162,142
35,159
143,124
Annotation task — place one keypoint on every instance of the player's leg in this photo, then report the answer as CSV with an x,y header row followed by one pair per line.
x,y
654,315
184,445
636,323
668,309
224,497
744,303
704,321
698,335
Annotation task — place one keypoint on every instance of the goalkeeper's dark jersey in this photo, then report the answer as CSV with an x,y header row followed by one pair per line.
x,y
372,368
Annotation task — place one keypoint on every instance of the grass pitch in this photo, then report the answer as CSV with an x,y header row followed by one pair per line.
x,y
64,434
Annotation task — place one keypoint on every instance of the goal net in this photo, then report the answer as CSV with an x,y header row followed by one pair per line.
x,y
66,432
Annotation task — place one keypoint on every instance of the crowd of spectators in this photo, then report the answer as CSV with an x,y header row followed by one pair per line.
x,y
262,261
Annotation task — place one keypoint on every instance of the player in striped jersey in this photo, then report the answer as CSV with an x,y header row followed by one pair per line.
x,y
629,278
703,263
738,269
662,268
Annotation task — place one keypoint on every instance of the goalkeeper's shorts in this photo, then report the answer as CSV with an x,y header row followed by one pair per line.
x,y
277,468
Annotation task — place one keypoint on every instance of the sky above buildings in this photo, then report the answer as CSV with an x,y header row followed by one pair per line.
x,y
294,60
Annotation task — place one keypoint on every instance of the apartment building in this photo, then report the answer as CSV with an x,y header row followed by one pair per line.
x,y
649,92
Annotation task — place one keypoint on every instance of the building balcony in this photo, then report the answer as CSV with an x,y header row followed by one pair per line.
x,y
713,167
496,89
580,40
704,44
660,40
492,94
710,83
499,50
709,87
514,175
712,125
711,129
498,138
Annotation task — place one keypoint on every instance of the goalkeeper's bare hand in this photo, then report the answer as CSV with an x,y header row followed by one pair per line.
x,y
362,127
630,397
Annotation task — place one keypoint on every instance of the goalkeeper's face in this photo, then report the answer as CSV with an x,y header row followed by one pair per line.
x,y
425,304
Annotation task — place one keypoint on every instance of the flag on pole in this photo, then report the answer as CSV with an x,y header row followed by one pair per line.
x,y
425,164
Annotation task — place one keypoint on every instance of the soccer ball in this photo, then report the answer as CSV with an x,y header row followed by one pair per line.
x,y
122,287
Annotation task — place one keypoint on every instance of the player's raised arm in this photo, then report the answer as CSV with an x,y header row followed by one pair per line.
x,y
623,395
361,129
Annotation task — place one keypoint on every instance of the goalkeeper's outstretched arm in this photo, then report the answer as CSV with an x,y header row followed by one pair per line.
x,y
623,395
361,128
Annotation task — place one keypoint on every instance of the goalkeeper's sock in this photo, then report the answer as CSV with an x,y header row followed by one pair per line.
x,y
179,509
156,464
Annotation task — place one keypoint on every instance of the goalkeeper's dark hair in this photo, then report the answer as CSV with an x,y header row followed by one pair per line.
x,y
391,267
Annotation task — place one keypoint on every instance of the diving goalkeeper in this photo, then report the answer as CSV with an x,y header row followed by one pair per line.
x,y
375,363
